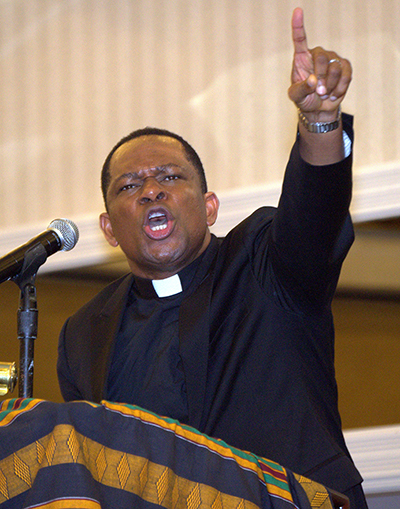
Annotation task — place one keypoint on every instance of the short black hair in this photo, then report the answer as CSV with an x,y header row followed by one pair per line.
x,y
191,155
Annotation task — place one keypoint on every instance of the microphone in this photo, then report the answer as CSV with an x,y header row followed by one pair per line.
x,y
61,235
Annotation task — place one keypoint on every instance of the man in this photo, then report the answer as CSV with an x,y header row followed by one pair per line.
x,y
233,336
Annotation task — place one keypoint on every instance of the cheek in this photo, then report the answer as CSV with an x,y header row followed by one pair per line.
x,y
123,215
194,206
126,230
196,221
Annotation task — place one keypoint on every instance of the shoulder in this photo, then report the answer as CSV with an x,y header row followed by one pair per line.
x,y
249,231
256,221
106,300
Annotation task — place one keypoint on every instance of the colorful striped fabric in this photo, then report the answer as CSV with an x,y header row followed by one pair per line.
x,y
84,455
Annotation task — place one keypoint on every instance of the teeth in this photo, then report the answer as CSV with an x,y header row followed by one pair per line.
x,y
155,214
159,227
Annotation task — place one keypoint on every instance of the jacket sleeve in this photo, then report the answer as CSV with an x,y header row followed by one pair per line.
x,y
311,232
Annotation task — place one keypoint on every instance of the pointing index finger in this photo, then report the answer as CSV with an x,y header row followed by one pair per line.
x,y
298,32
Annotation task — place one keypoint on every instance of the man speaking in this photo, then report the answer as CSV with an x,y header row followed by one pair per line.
x,y
233,336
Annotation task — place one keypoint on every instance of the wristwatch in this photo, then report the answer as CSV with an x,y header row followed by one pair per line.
x,y
320,127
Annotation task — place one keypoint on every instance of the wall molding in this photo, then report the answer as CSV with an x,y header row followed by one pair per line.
x,y
376,196
376,453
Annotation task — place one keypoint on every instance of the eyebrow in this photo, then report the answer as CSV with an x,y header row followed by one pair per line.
x,y
159,169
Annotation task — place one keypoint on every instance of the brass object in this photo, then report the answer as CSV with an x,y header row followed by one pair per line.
x,y
8,377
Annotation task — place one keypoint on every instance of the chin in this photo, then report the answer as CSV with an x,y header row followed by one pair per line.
x,y
168,257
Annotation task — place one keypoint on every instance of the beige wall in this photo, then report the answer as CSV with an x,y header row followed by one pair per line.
x,y
76,75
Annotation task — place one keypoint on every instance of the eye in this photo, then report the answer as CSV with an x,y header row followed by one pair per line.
x,y
168,178
126,187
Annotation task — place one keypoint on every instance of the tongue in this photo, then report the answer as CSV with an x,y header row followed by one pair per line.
x,y
158,221
158,228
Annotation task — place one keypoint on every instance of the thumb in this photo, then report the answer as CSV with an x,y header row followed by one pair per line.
x,y
299,91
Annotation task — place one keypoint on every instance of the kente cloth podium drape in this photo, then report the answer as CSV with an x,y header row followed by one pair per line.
x,y
85,455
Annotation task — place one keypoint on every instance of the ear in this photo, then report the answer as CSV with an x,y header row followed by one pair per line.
x,y
212,206
105,225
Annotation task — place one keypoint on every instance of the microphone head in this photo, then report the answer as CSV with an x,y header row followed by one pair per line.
x,y
67,231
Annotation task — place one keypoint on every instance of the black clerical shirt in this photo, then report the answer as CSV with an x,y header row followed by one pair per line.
x,y
146,367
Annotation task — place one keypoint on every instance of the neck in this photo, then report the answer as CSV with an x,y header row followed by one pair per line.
x,y
160,270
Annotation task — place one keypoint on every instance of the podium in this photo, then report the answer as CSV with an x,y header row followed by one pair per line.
x,y
109,455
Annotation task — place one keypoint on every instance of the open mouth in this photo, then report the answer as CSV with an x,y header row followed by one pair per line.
x,y
159,223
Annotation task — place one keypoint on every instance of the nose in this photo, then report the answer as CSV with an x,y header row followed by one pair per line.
x,y
151,191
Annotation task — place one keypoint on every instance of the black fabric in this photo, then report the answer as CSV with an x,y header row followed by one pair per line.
x,y
256,332
146,366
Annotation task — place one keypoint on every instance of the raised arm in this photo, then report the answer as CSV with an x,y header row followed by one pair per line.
x,y
311,231
320,80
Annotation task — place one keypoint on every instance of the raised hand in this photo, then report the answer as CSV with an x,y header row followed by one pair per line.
x,y
320,78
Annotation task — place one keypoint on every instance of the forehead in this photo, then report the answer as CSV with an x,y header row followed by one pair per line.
x,y
148,152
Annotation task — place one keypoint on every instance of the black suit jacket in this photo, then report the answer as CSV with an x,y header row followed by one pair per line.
x,y
255,330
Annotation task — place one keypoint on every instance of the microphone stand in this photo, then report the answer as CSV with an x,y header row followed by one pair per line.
x,y
28,316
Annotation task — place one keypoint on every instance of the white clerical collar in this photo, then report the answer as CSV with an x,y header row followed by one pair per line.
x,y
168,286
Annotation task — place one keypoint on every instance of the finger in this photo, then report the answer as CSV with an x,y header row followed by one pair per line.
x,y
321,65
334,74
342,84
328,69
301,92
298,32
